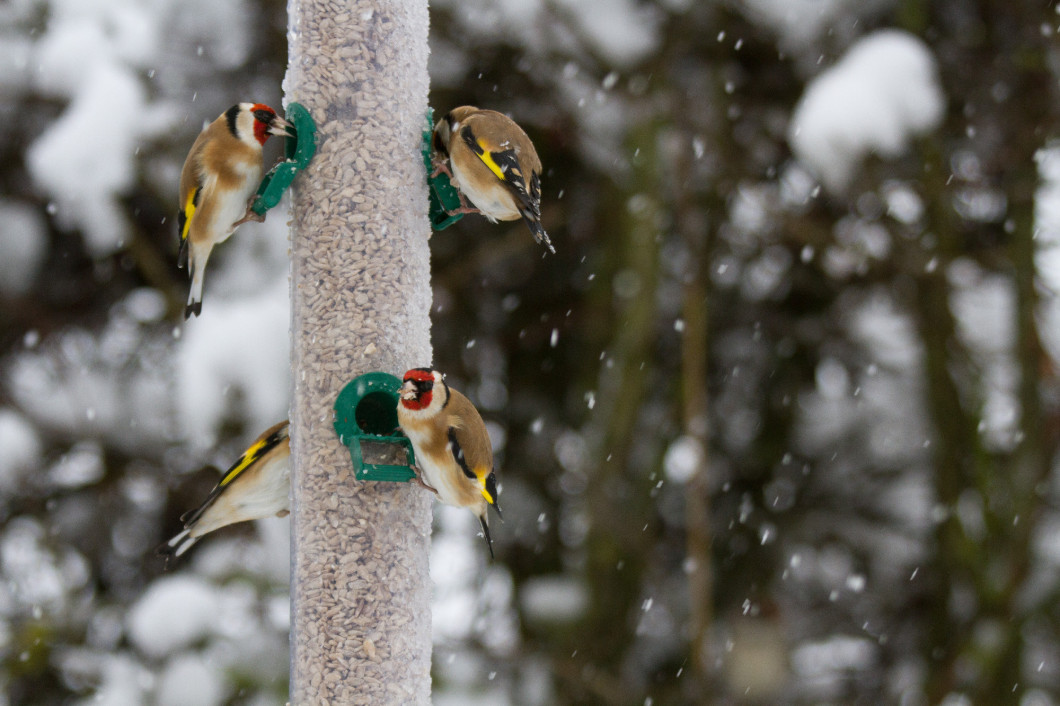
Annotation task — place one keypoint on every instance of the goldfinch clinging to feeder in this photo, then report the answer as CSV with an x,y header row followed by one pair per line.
x,y
494,164
220,176
453,449
256,486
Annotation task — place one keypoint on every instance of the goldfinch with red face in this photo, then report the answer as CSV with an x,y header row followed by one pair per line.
x,y
220,176
256,486
494,164
453,449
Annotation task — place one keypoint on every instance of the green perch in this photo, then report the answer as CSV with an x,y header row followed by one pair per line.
x,y
298,151
366,422
444,196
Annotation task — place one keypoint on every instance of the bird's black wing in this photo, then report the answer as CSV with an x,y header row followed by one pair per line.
x,y
505,166
251,456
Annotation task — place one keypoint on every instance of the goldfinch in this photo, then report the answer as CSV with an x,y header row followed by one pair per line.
x,y
494,164
219,178
256,486
453,450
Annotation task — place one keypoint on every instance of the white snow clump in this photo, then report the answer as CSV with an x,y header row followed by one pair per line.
x,y
189,681
23,247
173,613
22,448
880,95
213,358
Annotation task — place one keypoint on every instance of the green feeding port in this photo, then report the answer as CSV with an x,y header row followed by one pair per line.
x,y
443,195
298,151
366,422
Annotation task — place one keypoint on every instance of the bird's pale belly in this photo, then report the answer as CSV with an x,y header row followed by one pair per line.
x,y
452,487
234,206
495,203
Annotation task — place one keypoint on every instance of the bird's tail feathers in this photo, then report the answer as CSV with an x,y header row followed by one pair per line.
x,y
486,533
196,269
538,230
175,547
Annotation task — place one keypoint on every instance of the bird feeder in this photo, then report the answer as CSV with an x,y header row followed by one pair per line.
x,y
360,207
366,422
298,151
444,198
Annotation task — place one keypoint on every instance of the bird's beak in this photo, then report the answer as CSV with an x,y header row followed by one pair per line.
x,y
279,126
408,391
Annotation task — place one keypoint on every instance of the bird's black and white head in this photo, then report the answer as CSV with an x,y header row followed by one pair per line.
x,y
423,390
253,123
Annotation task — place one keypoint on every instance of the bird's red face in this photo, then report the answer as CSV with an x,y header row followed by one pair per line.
x,y
417,389
267,122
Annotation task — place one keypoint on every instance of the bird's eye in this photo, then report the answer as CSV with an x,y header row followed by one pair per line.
x,y
263,116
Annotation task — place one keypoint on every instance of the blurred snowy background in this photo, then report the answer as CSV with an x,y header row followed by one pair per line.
x,y
779,422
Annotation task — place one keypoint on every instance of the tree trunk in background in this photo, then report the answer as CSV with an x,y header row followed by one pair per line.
x,y
695,426
361,625
994,568
1024,61
618,490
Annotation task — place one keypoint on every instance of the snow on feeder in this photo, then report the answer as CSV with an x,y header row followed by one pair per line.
x,y
366,422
